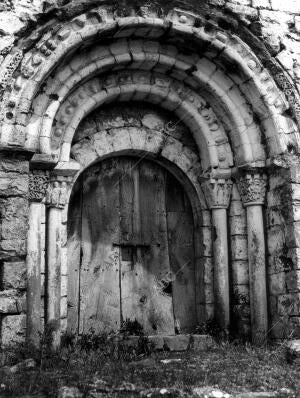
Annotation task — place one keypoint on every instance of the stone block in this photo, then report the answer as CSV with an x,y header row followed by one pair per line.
x,y
236,208
274,199
243,11
208,293
241,294
289,304
276,239
239,249
293,281
240,272
13,184
157,342
10,23
14,207
238,225
64,324
13,166
297,23
280,262
276,17
14,275
14,229
63,307
11,302
294,190
8,304
274,217
261,3
293,234
293,257
201,342
208,270
292,6
206,218
10,248
13,329
207,242
277,283
180,342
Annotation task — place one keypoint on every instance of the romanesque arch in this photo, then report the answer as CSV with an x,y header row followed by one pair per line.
x,y
211,81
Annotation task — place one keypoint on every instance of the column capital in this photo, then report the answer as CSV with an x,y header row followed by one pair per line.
x,y
58,191
252,187
217,192
38,183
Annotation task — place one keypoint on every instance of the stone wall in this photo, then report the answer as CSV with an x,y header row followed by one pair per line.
x,y
14,225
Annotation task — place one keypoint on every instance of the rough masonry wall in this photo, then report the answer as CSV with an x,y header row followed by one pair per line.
x,y
13,232
283,252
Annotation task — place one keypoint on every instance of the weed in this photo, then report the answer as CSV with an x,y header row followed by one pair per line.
x,y
212,328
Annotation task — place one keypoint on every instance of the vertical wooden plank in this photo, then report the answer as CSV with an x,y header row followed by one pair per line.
x,y
74,255
126,185
99,280
181,252
143,294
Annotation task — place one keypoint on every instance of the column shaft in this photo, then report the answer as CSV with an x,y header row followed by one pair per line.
x,y
221,271
217,193
34,258
54,272
257,273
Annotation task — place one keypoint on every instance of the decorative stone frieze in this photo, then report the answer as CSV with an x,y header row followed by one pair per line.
x,y
252,188
38,184
217,193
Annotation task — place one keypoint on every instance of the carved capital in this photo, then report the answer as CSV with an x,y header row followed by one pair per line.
x,y
217,193
252,188
38,184
58,192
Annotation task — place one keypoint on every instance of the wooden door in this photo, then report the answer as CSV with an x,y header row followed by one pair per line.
x,y
130,249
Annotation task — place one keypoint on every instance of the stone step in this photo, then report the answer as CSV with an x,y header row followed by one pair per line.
x,y
179,342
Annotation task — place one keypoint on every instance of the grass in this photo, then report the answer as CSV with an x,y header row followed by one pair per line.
x,y
232,367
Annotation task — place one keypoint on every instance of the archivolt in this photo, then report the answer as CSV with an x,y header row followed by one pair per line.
x,y
145,55
249,89
139,86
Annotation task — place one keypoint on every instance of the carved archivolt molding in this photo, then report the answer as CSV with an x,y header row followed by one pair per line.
x,y
38,184
223,48
217,193
252,188
193,110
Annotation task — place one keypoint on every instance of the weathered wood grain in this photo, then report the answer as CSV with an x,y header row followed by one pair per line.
x,y
99,279
181,254
132,232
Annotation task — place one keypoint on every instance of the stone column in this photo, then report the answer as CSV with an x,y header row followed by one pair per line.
x,y
252,188
37,189
217,193
56,199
